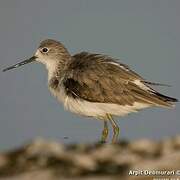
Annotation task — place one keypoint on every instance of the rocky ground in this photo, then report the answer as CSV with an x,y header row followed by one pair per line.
x,y
44,160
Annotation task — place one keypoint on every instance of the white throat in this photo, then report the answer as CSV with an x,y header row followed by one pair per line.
x,y
52,68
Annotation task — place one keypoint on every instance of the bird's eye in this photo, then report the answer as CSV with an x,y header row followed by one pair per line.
x,y
45,50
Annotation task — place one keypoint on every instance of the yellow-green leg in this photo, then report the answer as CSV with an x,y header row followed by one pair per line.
x,y
115,128
105,132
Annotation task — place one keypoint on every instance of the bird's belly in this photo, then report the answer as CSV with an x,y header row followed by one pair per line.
x,y
94,109
72,104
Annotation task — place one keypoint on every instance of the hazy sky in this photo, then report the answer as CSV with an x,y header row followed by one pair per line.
x,y
145,34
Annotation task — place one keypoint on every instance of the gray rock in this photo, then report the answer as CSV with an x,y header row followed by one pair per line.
x,y
47,160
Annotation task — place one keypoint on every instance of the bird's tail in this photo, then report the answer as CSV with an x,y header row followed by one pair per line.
x,y
166,98
151,96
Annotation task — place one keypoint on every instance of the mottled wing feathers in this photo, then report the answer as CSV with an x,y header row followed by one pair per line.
x,y
98,78
86,61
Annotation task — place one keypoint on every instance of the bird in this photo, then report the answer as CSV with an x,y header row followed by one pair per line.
x,y
96,85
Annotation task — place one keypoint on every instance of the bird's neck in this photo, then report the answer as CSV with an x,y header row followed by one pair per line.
x,y
56,68
51,68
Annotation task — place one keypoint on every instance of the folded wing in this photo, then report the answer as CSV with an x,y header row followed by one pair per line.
x,y
99,78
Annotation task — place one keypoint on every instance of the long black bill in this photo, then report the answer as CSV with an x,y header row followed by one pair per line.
x,y
21,63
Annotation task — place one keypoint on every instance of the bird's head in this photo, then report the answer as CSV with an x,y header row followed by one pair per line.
x,y
49,53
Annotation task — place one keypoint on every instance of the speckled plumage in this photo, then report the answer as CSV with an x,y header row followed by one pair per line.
x,y
93,77
95,85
